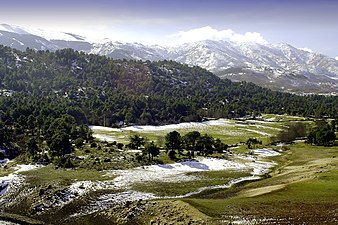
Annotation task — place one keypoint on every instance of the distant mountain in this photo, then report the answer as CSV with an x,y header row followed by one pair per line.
x,y
279,67
21,38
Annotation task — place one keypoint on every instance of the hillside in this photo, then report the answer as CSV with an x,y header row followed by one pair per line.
x,y
140,92
76,89
281,67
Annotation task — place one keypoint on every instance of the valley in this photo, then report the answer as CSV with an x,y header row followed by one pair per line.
x,y
86,139
168,112
233,187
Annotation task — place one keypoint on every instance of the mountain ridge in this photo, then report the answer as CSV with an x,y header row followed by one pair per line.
x,y
280,67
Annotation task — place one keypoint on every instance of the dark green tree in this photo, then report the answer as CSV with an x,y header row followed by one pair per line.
x,y
205,144
32,146
173,141
136,141
152,150
252,142
60,144
321,136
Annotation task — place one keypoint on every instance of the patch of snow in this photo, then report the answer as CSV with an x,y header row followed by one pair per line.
x,y
272,119
260,167
103,137
110,200
149,128
13,29
4,161
175,172
258,132
102,128
14,180
3,222
134,151
306,50
265,152
18,41
23,168
228,185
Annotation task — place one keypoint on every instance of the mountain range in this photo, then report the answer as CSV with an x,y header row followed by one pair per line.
x,y
280,67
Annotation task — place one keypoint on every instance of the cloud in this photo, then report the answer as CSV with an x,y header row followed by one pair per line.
x,y
209,33
336,58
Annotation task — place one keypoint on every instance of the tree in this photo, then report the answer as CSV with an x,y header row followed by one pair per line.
x,y
190,139
120,145
2,156
297,130
205,144
252,142
136,141
172,154
152,150
321,136
220,146
128,118
60,144
79,142
32,146
173,141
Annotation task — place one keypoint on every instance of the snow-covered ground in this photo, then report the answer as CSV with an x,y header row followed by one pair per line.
x,y
148,128
220,126
258,164
13,180
175,172
123,180
178,172
102,128
103,137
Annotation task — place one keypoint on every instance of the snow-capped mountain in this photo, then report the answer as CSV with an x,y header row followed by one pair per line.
x,y
38,39
118,50
48,35
280,67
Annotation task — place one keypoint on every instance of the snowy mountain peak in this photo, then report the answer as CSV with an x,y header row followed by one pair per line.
x,y
13,29
48,35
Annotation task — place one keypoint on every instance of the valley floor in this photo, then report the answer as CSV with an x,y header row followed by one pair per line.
x,y
275,185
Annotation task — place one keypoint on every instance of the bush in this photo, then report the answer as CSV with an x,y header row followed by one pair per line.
x,y
93,145
65,162
120,146
294,131
79,142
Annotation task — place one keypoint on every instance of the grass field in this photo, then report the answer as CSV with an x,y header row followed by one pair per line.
x,y
206,178
301,190
47,175
229,131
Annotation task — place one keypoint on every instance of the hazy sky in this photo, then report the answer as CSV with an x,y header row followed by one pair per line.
x,y
311,24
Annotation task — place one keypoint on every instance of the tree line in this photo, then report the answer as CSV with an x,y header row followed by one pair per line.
x,y
175,144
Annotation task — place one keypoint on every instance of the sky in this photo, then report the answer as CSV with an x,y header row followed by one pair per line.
x,y
302,23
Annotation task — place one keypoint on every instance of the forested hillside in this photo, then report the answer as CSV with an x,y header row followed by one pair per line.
x,y
80,89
